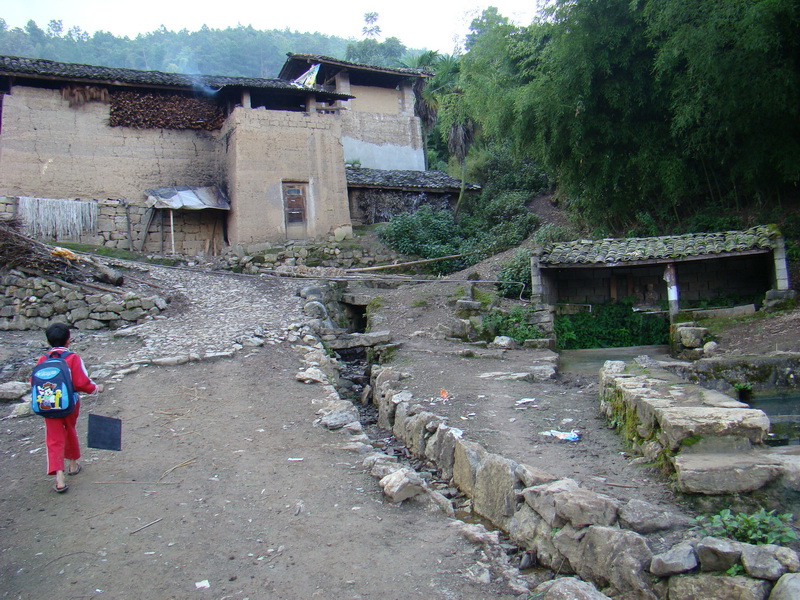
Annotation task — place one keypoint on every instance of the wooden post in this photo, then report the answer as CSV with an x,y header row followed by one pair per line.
x,y
172,229
671,277
151,213
130,229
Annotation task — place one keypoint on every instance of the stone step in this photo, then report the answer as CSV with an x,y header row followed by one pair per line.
x,y
732,473
680,424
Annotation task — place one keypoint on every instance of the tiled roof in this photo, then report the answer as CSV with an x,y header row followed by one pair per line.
x,y
295,56
37,67
667,247
406,180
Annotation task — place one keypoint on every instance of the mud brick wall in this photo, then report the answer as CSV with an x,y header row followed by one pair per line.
x,y
266,148
52,150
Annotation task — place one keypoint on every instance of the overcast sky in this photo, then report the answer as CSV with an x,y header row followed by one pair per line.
x,y
432,24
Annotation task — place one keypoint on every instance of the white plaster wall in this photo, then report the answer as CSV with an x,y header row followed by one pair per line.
x,y
382,141
383,156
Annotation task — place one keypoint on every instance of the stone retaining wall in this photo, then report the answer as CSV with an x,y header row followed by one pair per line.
x,y
333,253
576,531
35,302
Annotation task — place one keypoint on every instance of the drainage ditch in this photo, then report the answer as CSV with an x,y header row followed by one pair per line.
x,y
355,365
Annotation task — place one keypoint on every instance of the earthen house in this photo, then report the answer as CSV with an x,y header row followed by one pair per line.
x,y
88,145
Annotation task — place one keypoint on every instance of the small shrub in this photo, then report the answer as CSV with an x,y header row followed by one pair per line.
x,y
518,269
761,527
550,233
515,324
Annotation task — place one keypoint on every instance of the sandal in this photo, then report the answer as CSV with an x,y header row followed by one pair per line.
x,y
76,471
60,490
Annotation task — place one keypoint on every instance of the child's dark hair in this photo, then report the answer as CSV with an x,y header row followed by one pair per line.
x,y
57,334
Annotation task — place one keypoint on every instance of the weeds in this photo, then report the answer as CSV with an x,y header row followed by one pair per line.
x,y
761,527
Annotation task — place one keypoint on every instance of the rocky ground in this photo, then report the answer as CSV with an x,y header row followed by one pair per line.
x,y
226,488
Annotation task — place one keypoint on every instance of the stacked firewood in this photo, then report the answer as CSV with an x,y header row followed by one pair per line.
x,y
164,111
20,252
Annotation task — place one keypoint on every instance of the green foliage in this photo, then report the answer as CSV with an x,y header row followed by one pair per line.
x,y
518,269
650,115
495,224
426,233
550,233
370,51
610,326
485,229
761,527
515,324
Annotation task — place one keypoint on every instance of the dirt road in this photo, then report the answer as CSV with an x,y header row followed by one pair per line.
x,y
225,488
224,479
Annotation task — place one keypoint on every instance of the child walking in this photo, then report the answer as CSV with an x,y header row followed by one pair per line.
x,y
61,437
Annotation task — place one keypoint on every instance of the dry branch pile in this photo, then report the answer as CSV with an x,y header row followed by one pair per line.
x,y
165,111
18,251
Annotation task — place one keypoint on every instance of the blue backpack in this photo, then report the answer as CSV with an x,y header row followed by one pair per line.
x,y
52,394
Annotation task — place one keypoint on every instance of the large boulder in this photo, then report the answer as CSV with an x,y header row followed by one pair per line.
x,y
402,484
583,507
678,559
681,423
467,459
644,517
494,493
617,558
718,587
441,448
543,498
567,588
787,588
718,554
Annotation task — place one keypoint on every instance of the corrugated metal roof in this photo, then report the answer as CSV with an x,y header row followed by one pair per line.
x,y
189,198
612,251
406,180
37,67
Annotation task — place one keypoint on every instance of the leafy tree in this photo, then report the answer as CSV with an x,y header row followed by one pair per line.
x,y
732,71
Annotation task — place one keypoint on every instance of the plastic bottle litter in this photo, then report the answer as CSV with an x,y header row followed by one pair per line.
x,y
570,436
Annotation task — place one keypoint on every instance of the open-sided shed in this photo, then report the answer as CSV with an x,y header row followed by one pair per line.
x,y
687,269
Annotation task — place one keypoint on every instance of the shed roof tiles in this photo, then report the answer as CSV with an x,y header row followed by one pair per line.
x,y
404,180
613,251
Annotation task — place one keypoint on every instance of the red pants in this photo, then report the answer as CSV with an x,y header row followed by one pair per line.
x,y
61,439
